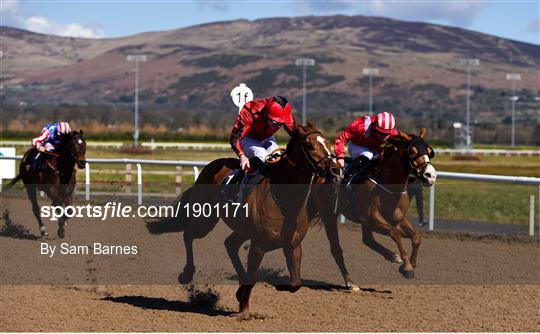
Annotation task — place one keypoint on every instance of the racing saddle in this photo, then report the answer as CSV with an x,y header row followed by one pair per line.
x,y
238,184
41,161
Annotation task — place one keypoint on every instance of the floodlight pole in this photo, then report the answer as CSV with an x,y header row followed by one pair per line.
x,y
371,72
137,59
513,77
304,62
469,62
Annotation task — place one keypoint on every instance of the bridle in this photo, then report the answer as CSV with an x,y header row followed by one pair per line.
x,y
73,153
412,167
315,168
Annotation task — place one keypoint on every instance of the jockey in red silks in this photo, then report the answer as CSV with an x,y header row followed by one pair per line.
x,y
252,137
51,136
365,136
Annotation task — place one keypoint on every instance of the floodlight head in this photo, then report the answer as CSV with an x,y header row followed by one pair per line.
x,y
370,71
136,57
513,76
304,62
470,61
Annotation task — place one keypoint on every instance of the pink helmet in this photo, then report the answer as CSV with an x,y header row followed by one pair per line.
x,y
386,123
64,128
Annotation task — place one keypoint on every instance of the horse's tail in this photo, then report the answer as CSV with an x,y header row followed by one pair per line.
x,y
13,181
174,223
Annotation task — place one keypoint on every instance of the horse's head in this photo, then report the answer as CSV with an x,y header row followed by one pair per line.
x,y
418,154
76,147
309,150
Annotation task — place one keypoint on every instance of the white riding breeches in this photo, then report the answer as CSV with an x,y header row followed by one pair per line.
x,y
260,149
356,150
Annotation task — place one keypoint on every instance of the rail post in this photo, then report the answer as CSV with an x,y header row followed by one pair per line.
x,y
196,173
531,215
431,207
139,184
128,179
87,180
178,179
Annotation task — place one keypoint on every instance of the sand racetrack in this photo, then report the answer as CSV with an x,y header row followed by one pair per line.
x,y
461,284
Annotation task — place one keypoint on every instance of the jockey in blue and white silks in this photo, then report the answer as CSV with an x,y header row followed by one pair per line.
x,y
51,136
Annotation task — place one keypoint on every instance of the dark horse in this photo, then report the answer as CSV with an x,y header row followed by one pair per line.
x,y
57,180
380,202
277,215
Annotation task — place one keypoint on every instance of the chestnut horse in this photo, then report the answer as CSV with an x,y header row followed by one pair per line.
x,y
58,180
276,216
380,202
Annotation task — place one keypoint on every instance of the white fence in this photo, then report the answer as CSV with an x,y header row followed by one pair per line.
x,y
151,145
179,164
226,146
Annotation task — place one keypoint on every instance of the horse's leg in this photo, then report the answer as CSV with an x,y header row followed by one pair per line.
x,y
186,276
415,237
31,191
332,234
406,269
58,203
233,244
195,229
294,259
395,232
255,257
369,240
67,201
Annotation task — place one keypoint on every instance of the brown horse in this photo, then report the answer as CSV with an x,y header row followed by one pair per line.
x,y
380,202
276,216
58,180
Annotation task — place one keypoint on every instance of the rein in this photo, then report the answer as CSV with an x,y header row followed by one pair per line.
x,y
51,153
386,189
409,166
314,164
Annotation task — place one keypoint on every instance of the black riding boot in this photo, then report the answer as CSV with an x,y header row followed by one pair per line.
x,y
38,163
356,168
232,191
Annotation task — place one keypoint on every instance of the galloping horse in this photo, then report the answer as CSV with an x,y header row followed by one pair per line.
x,y
58,180
380,202
277,216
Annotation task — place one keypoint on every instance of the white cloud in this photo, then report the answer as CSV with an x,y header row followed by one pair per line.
x,y
44,25
13,15
534,26
454,12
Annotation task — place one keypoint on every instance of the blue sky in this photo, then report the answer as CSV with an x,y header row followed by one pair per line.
x,y
518,20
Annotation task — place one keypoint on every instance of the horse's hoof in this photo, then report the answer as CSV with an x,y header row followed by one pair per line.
x,y
294,288
395,258
287,287
61,233
243,308
352,287
185,277
408,274
282,287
